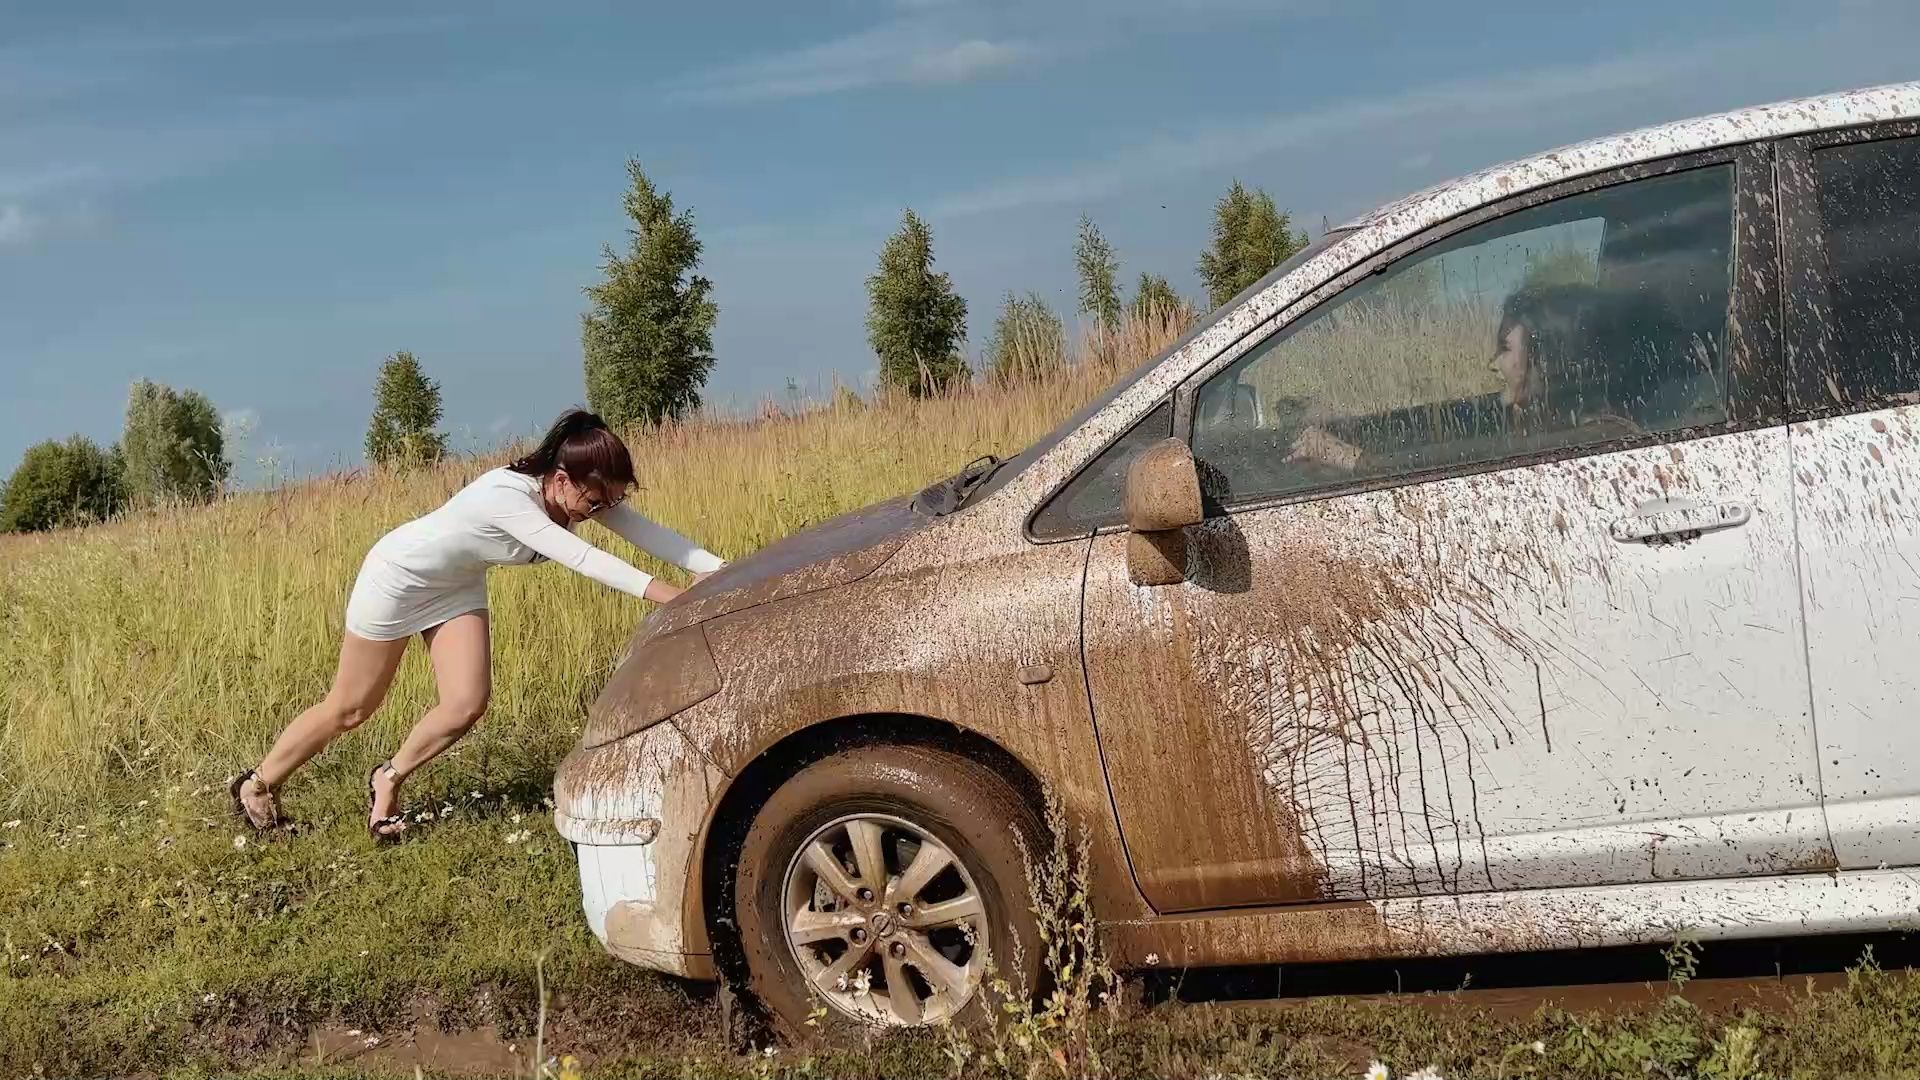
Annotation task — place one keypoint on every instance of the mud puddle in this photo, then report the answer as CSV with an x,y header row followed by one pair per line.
x,y
481,1051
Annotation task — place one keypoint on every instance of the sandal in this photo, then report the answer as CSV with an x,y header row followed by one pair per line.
x,y
395,822
240,807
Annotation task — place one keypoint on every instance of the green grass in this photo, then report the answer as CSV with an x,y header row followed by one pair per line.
x,y
155,938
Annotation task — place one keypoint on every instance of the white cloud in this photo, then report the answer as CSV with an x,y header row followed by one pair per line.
x,y
963,60
1492,101
931,42
238,426
15,226
909,51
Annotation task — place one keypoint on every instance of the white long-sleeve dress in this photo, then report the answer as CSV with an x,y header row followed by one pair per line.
x,y
434,568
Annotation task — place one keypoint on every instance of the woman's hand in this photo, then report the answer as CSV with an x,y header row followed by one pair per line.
x,y
662,592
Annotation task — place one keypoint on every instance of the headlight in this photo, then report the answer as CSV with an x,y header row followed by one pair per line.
x,y
663,677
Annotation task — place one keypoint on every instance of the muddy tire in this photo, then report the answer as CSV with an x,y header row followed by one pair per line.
x,y
877,883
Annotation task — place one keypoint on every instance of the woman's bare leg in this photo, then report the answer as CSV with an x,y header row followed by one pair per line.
x,y
360,684
461,649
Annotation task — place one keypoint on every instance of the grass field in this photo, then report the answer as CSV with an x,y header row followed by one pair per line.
x,y
144,662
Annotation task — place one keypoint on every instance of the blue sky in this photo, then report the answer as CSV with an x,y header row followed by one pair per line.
x,y
262,202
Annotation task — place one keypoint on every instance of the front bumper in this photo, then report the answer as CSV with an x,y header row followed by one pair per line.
x,y
633,810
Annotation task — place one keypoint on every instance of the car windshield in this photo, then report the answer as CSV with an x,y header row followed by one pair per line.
x,y
985,476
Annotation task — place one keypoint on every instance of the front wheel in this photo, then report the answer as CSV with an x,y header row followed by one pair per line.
x,y
879,882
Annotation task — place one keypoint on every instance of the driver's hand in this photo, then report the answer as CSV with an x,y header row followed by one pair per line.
x,y
1316,444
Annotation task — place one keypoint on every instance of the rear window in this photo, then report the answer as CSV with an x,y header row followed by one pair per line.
x,y
1869,197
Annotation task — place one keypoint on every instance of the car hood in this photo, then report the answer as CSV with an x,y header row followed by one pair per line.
x,y
833,552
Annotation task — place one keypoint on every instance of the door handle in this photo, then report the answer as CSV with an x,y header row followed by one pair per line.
x,y
1666,521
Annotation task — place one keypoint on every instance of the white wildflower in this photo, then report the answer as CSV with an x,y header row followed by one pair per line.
x,y
475,794
206,999
1428,1073
239,842
1153,958
518,836
771,1051
141,805
1376,1071
14,824
366,952
373,1040
353,1033
85,881
1539,1047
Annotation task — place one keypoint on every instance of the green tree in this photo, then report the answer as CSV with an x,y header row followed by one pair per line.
x,y
173,446
1028,339
406,408
1154,299
648,339
1099,296
62,483
915,321
1250,237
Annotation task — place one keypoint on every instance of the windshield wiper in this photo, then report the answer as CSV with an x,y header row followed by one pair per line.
x,y
952,493
970,479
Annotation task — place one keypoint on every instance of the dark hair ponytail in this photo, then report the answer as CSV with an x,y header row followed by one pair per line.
x,y
582,444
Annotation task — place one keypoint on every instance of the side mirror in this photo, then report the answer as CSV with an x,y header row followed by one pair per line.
x,y
1162,499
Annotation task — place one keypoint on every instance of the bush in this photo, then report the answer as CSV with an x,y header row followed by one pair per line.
x,y
62,483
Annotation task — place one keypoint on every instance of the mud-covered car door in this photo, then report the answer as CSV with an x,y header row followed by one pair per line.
x,y
1851,200
1464,620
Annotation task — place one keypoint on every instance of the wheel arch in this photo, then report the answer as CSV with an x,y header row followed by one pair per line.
x,y
710,907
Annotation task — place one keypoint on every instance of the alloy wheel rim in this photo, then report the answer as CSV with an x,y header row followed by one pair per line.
x,y
884,921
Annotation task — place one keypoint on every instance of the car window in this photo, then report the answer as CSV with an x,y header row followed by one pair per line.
x,y
1017,464
1579,321
1869,199
1093,498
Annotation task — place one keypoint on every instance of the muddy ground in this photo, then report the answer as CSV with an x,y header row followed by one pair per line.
x,y
1726,979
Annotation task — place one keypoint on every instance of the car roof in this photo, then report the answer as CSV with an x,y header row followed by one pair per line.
x,y
1892,101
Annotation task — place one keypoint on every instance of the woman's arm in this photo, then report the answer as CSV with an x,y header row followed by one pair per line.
x,y
658,540
526,522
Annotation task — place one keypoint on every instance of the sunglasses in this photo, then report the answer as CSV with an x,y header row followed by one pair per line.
x,y
597,504
597,500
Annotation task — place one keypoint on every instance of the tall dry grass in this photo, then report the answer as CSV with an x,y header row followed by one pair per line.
x,y
1392,353
170,647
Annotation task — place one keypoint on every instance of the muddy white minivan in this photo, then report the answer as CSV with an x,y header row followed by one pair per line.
x,y
1531,563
